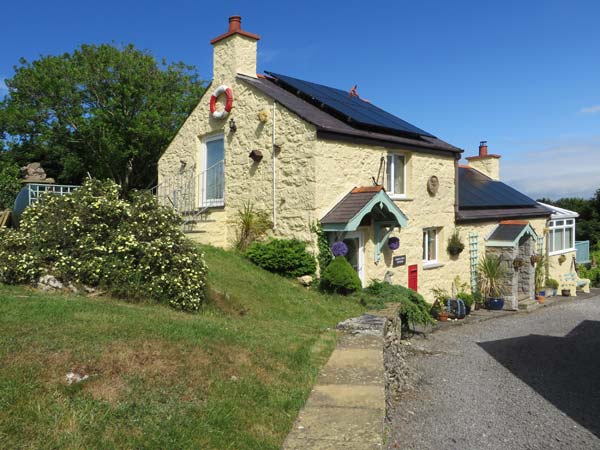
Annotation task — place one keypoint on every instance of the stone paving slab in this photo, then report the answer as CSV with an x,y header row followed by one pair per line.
x,y
346,407
347,396
353,366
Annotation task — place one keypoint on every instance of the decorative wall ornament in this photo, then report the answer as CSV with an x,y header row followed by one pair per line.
x,y
433,185
394,243
256,156
263,116
213,102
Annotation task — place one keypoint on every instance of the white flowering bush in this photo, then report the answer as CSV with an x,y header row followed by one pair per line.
x,y
132,248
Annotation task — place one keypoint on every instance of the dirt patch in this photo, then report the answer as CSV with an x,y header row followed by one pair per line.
x,y
226,303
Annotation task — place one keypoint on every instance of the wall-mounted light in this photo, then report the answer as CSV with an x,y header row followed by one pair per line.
x,y
232,125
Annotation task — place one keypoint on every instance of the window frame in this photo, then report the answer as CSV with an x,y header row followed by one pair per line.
x,y
425,244
205,202
561,225
392,167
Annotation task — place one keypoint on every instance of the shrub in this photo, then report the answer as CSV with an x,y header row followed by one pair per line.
x,y
551,283
325,256
251,226
286,257
340,277
455,243
414,310
593,274
131,248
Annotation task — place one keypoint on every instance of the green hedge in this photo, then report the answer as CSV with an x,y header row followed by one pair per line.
x,y
340,277
287,257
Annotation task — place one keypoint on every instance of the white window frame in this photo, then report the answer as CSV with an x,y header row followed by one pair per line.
x,y
552,227
436,230
392,169
217,202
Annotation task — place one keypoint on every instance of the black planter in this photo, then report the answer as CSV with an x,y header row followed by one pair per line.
x,y
495,304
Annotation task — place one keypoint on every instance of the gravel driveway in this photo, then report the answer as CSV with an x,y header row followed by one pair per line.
x,y
525,381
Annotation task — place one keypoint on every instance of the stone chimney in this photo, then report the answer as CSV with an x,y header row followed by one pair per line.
x,y
234,52
485,163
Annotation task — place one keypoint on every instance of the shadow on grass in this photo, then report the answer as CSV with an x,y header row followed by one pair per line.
x,y
564,370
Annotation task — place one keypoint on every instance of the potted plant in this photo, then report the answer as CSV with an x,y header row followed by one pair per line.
x,y
540,275
492,277
455,244
440,308
551,285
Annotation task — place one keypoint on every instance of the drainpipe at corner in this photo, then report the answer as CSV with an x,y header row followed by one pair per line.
x,y
274,167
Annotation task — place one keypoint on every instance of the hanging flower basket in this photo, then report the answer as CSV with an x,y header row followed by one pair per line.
x,y
394,243
518,263
339,249
535,259
455,244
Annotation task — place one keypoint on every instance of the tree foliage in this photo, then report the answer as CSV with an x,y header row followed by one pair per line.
x,y
107,110
10,182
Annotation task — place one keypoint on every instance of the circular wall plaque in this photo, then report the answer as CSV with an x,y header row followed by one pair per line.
x,y
433,184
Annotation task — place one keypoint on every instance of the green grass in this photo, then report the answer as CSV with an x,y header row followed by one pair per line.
x,y
231,377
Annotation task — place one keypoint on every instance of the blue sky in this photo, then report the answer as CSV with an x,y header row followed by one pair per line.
x,y
524,75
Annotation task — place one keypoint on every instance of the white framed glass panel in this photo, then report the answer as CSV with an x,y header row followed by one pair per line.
x,y
395,174
430,245
558,239
214,173
569,241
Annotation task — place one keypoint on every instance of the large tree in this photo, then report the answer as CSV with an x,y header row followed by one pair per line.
x,y
110,111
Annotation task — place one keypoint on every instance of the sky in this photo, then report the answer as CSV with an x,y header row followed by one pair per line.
x,y
523,75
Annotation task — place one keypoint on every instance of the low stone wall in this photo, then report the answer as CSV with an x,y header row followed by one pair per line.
x,y
397,372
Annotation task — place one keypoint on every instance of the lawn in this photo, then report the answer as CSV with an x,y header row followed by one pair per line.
x,y
231,377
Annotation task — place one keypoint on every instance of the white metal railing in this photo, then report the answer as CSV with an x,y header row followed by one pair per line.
x,y
35,191
188,192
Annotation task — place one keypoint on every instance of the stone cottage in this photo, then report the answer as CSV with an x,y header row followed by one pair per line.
x,y
305,152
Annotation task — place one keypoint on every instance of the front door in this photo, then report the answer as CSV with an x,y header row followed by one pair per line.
x,y
355,255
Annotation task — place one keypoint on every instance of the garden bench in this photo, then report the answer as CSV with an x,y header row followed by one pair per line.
x,y
572,282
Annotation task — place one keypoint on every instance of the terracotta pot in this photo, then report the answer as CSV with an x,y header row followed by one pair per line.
x,y
443,316
541,299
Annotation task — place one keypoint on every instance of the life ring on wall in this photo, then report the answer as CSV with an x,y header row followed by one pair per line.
x,y
213,102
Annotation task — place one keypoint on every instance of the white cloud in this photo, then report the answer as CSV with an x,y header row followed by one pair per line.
x,y
3,87
564,168
594,109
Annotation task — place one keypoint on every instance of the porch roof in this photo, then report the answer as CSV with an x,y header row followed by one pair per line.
x,y
508,233
360,201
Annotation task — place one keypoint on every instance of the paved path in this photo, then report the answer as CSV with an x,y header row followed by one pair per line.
x,y
346,407
523,381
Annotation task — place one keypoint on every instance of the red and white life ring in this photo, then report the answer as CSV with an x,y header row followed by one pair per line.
x,y
213,102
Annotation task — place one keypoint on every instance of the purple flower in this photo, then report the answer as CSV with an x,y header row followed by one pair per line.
x,y
339,249
394,243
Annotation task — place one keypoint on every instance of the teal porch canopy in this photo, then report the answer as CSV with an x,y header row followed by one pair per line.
x,y
350,212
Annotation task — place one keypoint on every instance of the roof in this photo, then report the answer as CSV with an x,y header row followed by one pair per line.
x,y
347,214
481,198
349,108
330,127
508,233
560,213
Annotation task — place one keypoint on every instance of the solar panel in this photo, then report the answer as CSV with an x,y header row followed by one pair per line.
x,y
352,109
478,191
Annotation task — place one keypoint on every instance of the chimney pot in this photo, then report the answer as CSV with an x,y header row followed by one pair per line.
x,y
235,23
483,148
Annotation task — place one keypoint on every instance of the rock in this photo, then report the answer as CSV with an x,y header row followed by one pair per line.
x,y
305,280
48,283
365,324
89,289
35,173
73,377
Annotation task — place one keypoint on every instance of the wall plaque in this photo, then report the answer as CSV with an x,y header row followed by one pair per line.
x,y
433,184
398,260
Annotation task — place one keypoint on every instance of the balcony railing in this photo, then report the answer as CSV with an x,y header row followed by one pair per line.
x,y
583,252
188,192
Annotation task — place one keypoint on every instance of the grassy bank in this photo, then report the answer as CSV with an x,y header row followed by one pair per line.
x,y
232,377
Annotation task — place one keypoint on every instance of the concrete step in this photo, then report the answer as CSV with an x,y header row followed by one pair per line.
x,y
528,305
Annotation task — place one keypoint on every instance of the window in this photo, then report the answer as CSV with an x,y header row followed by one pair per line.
x,y
213,176
561,235
395,175
430,238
